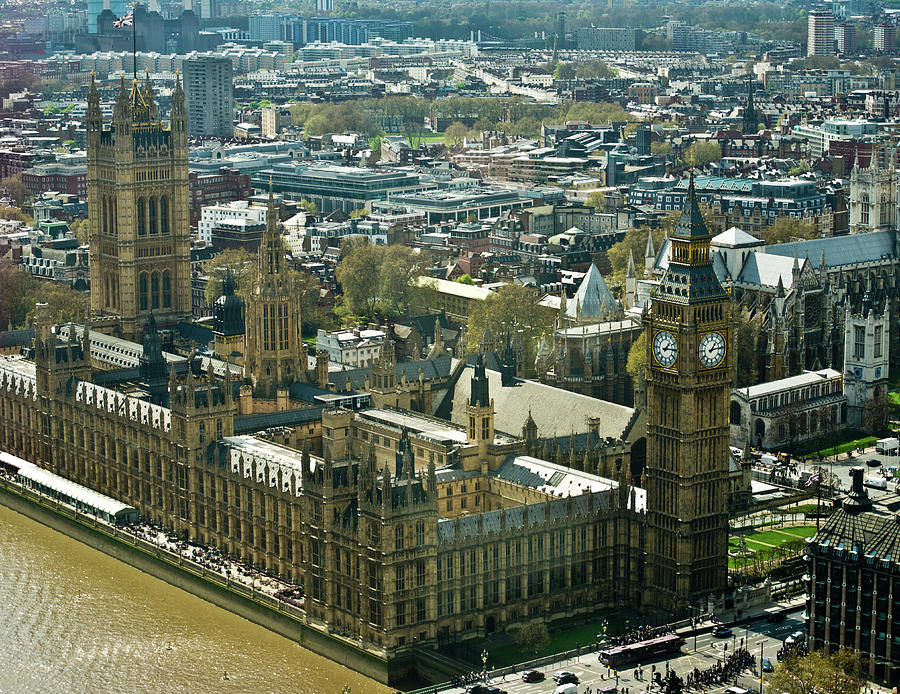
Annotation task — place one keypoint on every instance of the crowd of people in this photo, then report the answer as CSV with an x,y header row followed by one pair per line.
x,y
637,634
798,648
214,560
720,673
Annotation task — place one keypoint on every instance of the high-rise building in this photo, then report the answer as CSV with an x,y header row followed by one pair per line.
x,y
209,86
95,7
884,39
845,38
605,39
820,36
324,5
138,212
689,375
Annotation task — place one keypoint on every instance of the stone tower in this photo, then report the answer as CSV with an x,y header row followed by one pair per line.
x,y
275,355
138,212
480,412
873,196
688,388
228,323
866,357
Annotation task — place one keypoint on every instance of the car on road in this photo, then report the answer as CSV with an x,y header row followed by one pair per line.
x,y
796,637
532,676
495,690
721,631
477,689
565,677
773,617
873,462
767,665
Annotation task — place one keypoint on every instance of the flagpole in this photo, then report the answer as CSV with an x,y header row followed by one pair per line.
x,y
134,40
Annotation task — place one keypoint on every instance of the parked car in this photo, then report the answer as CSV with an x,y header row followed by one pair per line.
x,y
495,690
532,676
767,665
721,631
775,617
565,677
477,689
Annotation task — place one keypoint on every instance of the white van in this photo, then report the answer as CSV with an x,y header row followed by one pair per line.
x,y
735,690
566,689
889,446
876,482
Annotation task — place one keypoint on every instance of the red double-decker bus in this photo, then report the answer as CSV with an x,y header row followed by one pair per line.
x,y
642,650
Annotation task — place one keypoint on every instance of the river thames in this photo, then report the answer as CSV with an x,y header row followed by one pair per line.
x,y
74,620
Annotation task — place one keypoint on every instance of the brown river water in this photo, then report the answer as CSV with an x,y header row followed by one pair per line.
x,y
74,620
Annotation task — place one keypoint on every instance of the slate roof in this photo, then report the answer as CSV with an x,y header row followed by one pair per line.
x,y
841,250
868,537
432,369
16,338
593,297
765,269
736,238
555,411
550,478
466,527
286,418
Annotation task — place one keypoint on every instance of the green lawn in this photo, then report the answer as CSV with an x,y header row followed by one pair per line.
x,y
563,636
764,543
894,398
835,447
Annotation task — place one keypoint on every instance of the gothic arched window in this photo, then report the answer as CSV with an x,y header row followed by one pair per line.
x,y
142,285
164,215
864,209
141,217
154,229
883,219
166,289
154,290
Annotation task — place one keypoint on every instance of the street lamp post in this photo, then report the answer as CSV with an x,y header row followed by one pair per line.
x,y
761,644
484,657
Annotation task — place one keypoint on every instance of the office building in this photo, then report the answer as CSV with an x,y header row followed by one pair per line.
x,y
209,87
96,7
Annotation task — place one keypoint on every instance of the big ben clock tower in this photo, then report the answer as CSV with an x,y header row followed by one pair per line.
x,y
688,392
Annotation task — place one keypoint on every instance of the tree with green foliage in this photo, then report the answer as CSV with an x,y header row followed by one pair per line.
x,y
20,291
787,229
661,148
837,673
454,136
242,266
593,69
703,152
513,308
380,278
12,187
636,363
746,328
530,638
564,71
465,279
596,200
634,243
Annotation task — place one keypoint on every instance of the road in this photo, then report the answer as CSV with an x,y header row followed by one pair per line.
x,y
700,652
841,469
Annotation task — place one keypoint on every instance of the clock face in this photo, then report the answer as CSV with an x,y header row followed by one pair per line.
x,y
712,350
665,349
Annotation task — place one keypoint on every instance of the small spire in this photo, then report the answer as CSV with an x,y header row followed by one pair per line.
x,y
629,271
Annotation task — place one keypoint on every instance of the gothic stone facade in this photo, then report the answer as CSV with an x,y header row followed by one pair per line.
x,y
380,561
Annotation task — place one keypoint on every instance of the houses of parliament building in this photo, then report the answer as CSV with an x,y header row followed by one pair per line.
x,y
403,530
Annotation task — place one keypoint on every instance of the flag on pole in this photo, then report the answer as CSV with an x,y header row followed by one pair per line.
x,y
813,479
126,21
